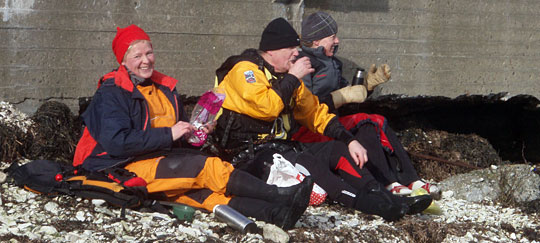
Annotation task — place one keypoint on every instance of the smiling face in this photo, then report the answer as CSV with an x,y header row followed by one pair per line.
x,y
139,58
282,59
329,43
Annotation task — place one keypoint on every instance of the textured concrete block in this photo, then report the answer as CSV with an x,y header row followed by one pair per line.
x,y
56,49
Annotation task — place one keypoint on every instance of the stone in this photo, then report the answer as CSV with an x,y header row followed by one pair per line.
x,y
49,230
3,177
275,234
51,207
489,185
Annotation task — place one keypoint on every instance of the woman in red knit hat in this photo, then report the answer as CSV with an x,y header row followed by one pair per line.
x,y
136,121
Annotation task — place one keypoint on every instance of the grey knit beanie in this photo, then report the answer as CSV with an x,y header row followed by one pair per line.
x,y
317,26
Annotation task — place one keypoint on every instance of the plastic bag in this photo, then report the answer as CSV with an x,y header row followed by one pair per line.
x,y
204,112
284,174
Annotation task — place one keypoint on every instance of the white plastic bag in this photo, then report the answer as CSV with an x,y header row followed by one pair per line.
x,y
284,174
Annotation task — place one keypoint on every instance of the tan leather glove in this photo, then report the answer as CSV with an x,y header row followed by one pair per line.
x,y
349,94
376,76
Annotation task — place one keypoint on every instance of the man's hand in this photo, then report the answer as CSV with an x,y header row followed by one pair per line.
x,y
358,153
349,94
301,68
180,129
376,76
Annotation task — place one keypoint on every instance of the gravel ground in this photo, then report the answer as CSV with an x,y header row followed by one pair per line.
x,y
29,217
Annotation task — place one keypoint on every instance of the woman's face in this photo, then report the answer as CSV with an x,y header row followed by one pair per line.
x,y
329,43
139,59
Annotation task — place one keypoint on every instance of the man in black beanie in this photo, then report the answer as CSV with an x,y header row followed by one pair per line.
x,y
267,102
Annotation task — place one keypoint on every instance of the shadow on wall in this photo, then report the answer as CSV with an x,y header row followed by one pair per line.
x,y
349,67
346,5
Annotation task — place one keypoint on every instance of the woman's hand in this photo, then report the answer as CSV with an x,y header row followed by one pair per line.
x,y
358,153
180,129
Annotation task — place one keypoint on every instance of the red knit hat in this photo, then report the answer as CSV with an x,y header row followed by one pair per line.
x,y
124,37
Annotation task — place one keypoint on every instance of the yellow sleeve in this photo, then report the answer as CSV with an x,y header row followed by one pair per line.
x,y
309,112
248,92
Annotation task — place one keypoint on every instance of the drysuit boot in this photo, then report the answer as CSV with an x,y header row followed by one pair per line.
x,y
243,184
413,205
372,201
416,204
284,216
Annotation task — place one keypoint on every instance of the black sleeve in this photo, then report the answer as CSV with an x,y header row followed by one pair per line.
x,y
336,130
285,87
327,99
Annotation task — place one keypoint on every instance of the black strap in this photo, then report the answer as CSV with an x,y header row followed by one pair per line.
x,y
228,129
158,207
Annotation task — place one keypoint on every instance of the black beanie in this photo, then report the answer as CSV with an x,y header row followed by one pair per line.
x,y
278,34
318,26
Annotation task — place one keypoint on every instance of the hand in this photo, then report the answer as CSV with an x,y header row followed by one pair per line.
x,y
301,68
349,94
358,153
376,76
180,129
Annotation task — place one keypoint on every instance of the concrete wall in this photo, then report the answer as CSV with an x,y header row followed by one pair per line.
x,y
58,49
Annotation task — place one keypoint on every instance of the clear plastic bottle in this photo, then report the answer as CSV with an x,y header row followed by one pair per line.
x,y
204,112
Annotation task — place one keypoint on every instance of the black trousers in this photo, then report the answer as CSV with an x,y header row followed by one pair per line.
x,y
387,167
333,169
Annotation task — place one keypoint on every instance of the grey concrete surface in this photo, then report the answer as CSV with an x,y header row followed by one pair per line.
x,y
57,49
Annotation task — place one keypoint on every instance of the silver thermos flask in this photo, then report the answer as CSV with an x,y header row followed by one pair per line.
x,y
234,219
358,77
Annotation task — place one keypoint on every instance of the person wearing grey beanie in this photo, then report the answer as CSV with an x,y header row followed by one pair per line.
x,y
389,161
266,103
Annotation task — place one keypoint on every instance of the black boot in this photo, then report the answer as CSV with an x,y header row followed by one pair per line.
x,y
373,201
244,184
414,205
281,215
299,204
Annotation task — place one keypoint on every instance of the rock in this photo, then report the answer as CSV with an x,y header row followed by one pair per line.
x,y
49,230
188,231
447,194
515,181
80,216
52,207
274,233
98,202
2,177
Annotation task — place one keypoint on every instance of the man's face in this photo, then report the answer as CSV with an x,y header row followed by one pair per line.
x,y
283,58
329,43
140,59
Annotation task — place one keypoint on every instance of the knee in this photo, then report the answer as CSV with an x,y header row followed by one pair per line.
x,y
368,129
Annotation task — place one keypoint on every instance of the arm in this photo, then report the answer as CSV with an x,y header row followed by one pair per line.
x,y
249,92
316,118
337,131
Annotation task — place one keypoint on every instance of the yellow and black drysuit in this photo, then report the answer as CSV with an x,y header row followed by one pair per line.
x,y
261,111
128,124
